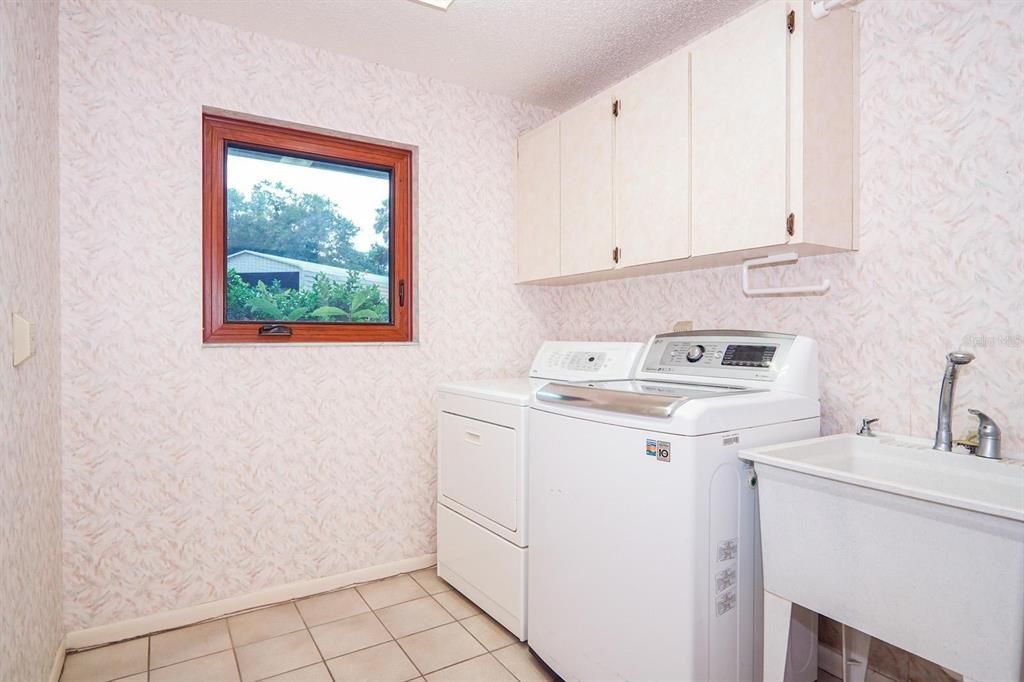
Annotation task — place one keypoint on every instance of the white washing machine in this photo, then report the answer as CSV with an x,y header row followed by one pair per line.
x,y
644,558
482,540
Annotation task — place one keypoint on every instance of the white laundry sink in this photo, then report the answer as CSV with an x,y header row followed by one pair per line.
x,y
922,549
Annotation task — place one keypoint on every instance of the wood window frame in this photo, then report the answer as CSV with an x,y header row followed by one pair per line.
x,y
218,132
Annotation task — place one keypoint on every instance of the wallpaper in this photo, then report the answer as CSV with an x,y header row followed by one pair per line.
x,y
941,259
193,474
31,626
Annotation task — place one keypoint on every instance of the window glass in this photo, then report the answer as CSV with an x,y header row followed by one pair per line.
x,y
307,240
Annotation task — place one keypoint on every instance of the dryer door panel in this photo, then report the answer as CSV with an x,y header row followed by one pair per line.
x,y
478,467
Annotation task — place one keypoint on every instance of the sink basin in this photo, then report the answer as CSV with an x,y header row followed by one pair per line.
x,y
922,549
907,466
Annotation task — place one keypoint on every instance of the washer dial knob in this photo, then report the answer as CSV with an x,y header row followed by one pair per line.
x,y
695,353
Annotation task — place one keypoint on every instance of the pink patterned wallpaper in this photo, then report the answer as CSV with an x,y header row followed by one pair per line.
x,y
193,474
31,624
941,260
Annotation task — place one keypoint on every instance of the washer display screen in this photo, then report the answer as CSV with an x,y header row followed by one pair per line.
x,y
748,356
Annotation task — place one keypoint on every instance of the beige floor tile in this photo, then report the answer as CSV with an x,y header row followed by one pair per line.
x,y
457,605
276,655
441,647
479,669
219,667
311,673
107,663
428,580
137,677
524,665
341,637
391,591
191,642
382,663
324,608
488,632
264,624
413,616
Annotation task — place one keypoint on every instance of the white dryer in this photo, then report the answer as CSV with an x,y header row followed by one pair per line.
x,y
483,463
644,560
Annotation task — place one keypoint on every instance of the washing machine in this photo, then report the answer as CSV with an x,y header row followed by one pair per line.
x,y
483,462
644,556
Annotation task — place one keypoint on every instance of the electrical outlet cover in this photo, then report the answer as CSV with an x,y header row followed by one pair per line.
x,y
22,341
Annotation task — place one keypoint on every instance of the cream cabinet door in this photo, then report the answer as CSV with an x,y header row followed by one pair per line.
x,y
587,155
652,163
538,204
739,118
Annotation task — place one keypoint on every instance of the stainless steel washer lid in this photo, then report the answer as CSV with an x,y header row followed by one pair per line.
x,y
645,398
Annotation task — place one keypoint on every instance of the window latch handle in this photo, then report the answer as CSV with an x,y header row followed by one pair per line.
x,y
275,330
401,293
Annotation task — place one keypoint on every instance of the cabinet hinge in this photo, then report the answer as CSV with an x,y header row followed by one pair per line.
x,y
615,108
616,254
791,21
790,224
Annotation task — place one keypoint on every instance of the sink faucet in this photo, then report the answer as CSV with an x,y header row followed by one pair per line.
x,y
943,430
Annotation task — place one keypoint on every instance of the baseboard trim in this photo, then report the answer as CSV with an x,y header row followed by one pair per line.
x,y
58,660
830,660
136,627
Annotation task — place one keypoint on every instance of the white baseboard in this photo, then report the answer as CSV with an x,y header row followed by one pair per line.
x,y
136,627
58,660
830,660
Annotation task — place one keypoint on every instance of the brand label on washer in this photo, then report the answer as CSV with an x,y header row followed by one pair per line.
x,y
659,449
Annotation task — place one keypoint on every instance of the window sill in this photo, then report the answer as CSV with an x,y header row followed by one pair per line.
x,y
312,344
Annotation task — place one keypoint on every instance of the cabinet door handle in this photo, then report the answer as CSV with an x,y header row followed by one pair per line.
x,y
473,437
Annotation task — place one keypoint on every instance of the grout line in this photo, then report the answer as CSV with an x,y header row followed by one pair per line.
x,y
186,660
234,650
471,658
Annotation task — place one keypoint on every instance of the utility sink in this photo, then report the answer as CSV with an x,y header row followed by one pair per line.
x,y
920,548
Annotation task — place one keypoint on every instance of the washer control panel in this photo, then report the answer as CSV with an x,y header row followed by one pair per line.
x,y
748,355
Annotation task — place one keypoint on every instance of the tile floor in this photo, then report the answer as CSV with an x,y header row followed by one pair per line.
x,y
409,627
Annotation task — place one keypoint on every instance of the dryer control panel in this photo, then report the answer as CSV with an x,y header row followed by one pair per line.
x,y
585,360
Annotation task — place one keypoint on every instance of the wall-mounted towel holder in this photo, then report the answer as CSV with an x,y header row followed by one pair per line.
x,y
788,257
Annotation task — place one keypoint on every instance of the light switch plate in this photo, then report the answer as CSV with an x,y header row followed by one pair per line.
x,y
22,342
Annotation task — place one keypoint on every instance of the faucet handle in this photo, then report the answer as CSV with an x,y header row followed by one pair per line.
x,y
865,426
989,436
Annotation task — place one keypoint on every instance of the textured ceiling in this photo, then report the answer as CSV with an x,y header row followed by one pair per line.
x,y
548,52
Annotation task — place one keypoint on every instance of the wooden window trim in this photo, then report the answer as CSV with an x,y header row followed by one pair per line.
x,y
218,132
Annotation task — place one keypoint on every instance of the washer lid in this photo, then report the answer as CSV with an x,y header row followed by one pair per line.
x,y
645,398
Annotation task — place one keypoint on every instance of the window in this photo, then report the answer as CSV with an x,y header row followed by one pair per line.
x,y
306,236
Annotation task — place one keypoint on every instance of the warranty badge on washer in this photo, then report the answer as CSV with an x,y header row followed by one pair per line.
x,y
660,449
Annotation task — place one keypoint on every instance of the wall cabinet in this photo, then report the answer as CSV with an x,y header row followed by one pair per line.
x,y
538,204
587,153
741,144
652,198
740,128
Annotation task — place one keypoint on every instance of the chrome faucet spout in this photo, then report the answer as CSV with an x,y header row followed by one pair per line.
x,y
944,427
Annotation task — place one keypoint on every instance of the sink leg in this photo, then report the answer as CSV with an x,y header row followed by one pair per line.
x,y
856,645
777,614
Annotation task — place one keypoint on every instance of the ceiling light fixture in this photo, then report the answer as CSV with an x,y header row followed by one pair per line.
x,y
437,4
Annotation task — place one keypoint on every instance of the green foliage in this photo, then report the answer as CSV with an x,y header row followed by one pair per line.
x,y
278,220
325,301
